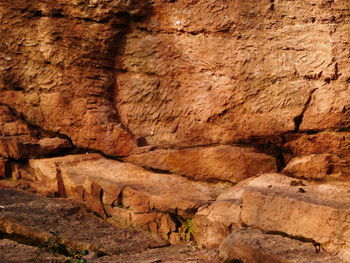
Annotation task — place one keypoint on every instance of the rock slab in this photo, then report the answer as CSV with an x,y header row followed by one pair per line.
x,y
253,246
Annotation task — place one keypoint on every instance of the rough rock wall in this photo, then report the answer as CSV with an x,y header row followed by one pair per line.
x,y
113,74
204,72
57,67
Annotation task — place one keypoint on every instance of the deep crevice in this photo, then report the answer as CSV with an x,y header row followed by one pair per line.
x,y
39,132
299,238
299,119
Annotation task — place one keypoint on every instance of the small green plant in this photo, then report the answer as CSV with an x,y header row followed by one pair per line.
x,y
186,229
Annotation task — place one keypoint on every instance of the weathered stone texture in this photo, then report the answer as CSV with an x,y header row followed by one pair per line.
x,y
324,156
253,246
127,193
244,69
89,71
207,90
225,163
57,68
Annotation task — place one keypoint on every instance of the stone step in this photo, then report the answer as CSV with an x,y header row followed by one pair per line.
x,y
156,202
254,246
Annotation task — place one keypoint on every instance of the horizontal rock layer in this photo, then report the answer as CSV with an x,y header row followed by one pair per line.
x,y
129,194
225,163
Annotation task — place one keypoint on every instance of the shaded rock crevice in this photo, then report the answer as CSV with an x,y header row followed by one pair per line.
x,y
299,119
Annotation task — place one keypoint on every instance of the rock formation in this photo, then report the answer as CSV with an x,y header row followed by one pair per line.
x,y
224,123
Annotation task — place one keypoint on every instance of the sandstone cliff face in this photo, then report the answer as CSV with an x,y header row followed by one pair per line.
x,y
109,74
57,68
222,71
194,97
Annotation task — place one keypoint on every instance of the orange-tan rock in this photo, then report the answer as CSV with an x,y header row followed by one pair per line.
x,y
171,86
319,167
18,140
337,143
245,69
93,72
225,163
128,193
212,224
58,68
301,209
276,203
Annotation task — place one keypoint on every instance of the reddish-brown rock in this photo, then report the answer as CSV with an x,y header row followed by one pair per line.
x,y
91,71
20,141
324,155
50,146
226,163
314,166
212,224
337,143
276,203
314,211
128,193
57,68
244,69
113,75
319,167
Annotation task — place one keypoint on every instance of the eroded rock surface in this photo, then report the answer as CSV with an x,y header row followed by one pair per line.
x,y
20,140
221,163
253,246
113,74
244,69
276,203
67,226
128,193
57,67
